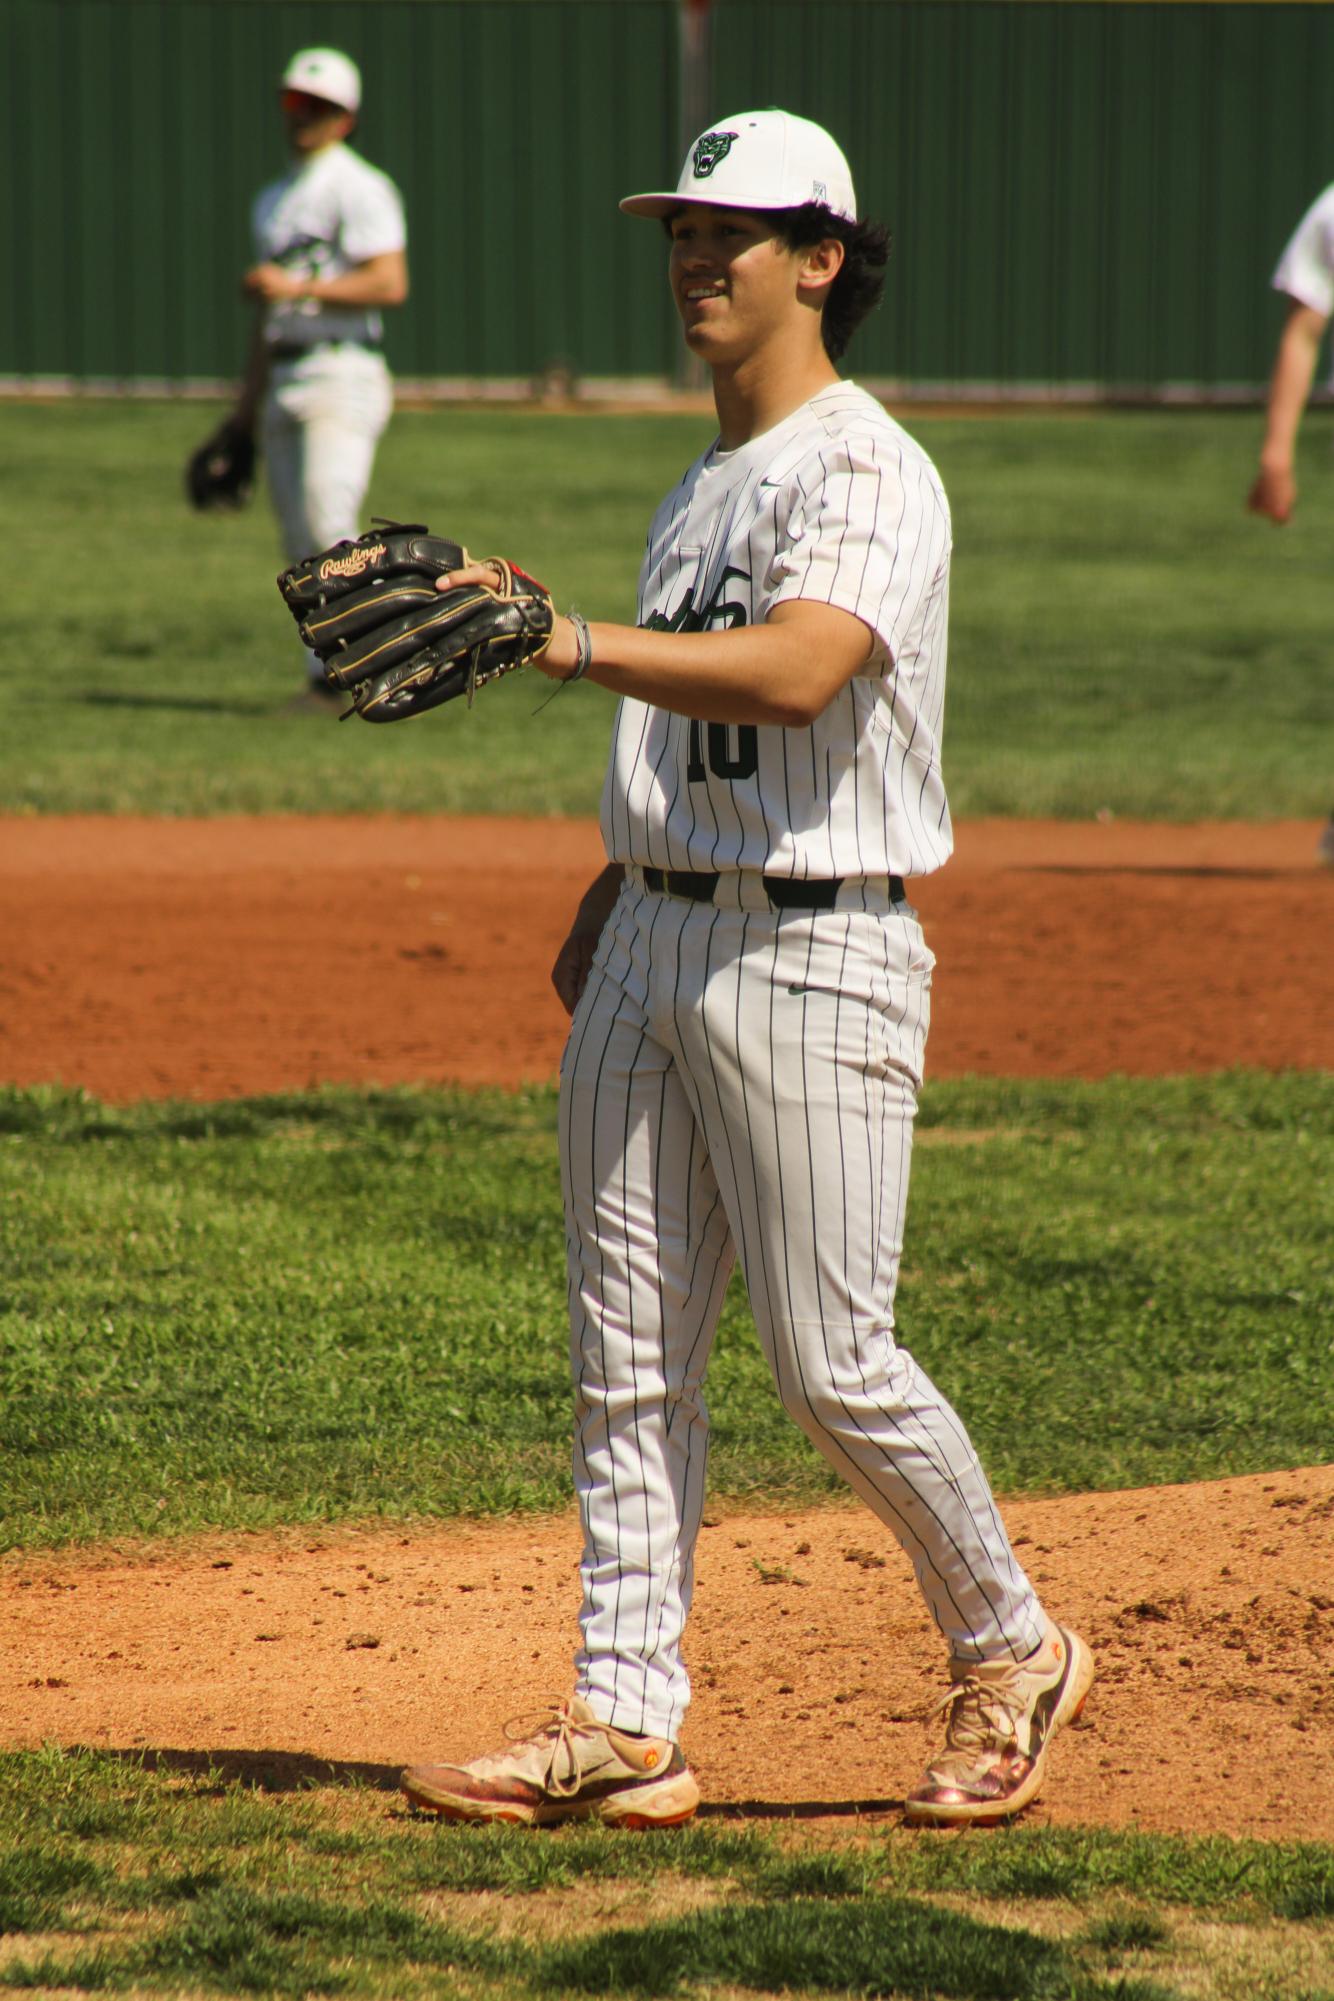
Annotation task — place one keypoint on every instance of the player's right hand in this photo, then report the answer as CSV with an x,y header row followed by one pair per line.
x,y
569,975
1274,494
574,961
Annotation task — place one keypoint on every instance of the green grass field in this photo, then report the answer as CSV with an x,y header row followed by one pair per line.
x,y
255,1314
119,1879
347,1305
1124,636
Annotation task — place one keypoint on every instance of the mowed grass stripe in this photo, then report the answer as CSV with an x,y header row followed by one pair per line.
x,y
346,1305
1123,635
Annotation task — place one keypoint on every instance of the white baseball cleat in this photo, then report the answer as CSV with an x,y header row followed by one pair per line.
x,y
1001,1718
572,1768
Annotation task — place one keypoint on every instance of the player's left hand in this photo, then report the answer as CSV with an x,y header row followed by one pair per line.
x,y
371,611
561,656
271,281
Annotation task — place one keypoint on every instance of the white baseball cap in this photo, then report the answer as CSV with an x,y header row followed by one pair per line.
x,y
759,160
325,73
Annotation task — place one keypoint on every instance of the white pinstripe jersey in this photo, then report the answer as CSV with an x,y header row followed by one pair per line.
x,y
323,217
839,505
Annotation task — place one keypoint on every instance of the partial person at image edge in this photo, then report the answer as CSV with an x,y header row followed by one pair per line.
x,y
1305,278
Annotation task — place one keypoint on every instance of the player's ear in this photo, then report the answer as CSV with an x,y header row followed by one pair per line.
x,y
820,263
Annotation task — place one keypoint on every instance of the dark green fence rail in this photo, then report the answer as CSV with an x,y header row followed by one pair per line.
x,y
1090,196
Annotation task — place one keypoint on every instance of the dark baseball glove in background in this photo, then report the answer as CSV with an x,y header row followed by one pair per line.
x,y
398,646
222,472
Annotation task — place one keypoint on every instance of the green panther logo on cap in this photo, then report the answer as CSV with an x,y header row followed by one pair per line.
x,y
709,150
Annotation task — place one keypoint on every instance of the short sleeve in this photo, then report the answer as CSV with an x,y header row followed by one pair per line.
x,y
1306,269
373,221
869,533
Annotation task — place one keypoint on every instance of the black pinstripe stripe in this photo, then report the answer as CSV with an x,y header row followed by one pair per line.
x,y
765,736
713,1303
623,1009
691,1090
752,1264
941,1470
691,1497
677,1568
659,1580
948,1417
941,1457
632,1345
586,1484
836,1449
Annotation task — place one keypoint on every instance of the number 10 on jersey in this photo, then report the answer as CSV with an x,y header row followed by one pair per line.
x,y
722,762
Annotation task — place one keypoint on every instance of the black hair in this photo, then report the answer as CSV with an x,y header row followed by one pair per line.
x,y
856,290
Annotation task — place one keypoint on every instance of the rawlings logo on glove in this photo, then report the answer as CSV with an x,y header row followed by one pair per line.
x,y
352,566
399,645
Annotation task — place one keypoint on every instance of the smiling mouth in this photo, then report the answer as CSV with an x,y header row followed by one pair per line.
x,y
694,295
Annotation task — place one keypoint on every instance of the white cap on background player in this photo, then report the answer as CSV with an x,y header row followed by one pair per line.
x,y
759,160
325,73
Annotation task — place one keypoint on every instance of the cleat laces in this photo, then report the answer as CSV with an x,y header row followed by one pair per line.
x,y
979,1721
557,1729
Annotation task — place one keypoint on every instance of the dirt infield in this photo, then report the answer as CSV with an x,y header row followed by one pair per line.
x,y
215,958
208,959
1210,1610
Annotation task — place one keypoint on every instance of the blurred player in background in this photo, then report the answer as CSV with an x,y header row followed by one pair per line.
x,y
1305,277
331,241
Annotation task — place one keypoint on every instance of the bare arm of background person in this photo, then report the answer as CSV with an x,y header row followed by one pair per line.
x,y
380,281
256,376
1275,490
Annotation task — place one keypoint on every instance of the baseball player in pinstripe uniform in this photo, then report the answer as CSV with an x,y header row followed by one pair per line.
x,y
750,988
332,246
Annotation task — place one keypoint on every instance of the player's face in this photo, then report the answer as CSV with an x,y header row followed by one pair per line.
x,y
312,122
734,281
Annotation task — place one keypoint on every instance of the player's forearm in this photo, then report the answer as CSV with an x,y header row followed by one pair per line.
x,y
1290,387
382,281
780,672
254,380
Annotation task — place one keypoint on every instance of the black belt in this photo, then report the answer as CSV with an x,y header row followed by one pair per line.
x,y
295,350
784,892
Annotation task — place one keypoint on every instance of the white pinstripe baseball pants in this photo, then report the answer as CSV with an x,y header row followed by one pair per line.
x,y
740,1081
323,418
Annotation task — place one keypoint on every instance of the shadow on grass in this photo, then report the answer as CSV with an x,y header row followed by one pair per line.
x,y
260,1771
297,1771
879,1945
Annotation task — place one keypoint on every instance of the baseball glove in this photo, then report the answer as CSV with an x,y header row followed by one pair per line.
x,y
397,645
222,472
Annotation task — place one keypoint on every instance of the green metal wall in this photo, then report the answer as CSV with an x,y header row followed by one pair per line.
x,y
1090,194
1078,193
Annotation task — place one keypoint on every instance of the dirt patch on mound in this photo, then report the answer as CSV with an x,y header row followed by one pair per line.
x,y
1210,1610
211,959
